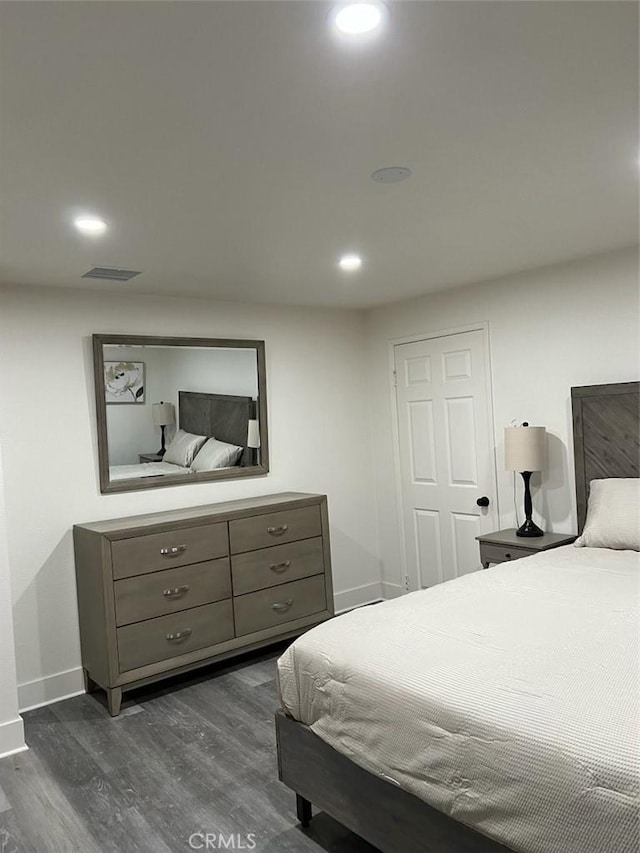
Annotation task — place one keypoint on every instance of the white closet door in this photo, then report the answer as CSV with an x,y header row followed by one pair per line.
x,y
446,455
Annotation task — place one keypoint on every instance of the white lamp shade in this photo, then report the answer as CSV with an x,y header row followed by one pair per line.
x,y
253,434
525,448
163,414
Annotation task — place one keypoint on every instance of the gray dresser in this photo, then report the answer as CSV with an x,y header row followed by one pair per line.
x,y
167,592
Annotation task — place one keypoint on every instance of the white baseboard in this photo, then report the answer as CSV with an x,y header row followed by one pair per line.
x,y
12,737
350,598
51,688
391,590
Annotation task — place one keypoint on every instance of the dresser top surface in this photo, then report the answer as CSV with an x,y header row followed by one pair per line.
x,y
225,510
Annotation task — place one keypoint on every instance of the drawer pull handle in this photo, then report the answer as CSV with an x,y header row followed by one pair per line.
x,y
276,531
178,590
280,567
282,606
180,635
173,552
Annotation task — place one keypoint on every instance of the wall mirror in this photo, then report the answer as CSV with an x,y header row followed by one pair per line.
x,y
179,410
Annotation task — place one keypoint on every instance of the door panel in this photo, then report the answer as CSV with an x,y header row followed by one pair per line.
x,y
465,528
446,454
428,545
418,370
423,451
461,441
456,365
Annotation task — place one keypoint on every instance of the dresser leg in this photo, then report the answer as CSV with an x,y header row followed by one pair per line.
x,y
89,684
303,810
114,700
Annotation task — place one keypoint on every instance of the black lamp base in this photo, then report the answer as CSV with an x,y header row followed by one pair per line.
x,y
529,528
163,449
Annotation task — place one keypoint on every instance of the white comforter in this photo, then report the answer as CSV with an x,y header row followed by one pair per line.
x,y
146,469
507,699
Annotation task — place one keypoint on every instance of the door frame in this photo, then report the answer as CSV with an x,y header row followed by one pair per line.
x,y
483,326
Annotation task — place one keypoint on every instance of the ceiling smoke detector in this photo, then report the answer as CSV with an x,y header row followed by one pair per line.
x,y
111,274
391,175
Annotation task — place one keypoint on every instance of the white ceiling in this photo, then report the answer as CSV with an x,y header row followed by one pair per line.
x,y
230,144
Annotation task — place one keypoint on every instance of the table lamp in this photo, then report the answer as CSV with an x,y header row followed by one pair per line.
x,y
163,416
253,437
525,451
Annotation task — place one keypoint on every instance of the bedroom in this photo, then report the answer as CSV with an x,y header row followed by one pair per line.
x,y
524,222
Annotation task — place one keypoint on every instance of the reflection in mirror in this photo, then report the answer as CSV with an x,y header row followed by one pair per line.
x,y
173,410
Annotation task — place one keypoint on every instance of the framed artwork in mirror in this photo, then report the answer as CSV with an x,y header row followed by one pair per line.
x,y
199,410
124,382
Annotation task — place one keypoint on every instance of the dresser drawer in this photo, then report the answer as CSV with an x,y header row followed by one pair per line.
x,y
278,605
142,554
260,531
170,636
501,553
159,593
272,566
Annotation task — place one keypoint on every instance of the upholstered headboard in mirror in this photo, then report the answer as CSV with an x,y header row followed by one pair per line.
x,y
606,436
221,415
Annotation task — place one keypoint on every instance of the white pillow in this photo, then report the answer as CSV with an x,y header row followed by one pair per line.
x,y
183,448
216,454
613,515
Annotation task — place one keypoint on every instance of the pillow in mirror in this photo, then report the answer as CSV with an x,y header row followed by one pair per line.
x,y
216,454
613,515
183,448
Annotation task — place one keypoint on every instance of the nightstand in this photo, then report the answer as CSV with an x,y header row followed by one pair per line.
x,y
150,457
504,545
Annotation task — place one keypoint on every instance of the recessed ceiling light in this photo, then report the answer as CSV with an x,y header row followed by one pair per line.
x,y
350,263
93,226
359,18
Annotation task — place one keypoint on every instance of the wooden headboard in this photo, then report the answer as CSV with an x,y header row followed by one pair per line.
x,y
606,436
223,416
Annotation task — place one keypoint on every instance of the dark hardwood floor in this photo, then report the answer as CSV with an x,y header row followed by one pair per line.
x,y
193,756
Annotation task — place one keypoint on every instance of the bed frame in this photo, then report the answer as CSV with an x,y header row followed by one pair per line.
x,y
606,437
223,416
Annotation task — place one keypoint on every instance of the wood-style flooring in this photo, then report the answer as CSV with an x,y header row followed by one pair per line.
x,y
193,756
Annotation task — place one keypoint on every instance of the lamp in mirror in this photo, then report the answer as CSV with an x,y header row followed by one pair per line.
x,y
253,437
525,451
163,416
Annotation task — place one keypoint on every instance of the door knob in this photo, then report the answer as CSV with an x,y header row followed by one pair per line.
x,y
483,501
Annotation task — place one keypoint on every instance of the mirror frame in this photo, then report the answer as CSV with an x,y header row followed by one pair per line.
x,y
139,483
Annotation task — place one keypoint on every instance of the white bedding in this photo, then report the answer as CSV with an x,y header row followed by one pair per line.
x,y
146,469
507,699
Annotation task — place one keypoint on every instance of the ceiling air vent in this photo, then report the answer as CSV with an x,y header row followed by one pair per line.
x,y
111,274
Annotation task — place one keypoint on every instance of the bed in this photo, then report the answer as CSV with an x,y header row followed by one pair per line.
x,y
223,416
495,712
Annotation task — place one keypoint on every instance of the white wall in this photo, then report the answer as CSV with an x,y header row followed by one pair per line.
x,y
575,324
316,389
214,371
11,728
